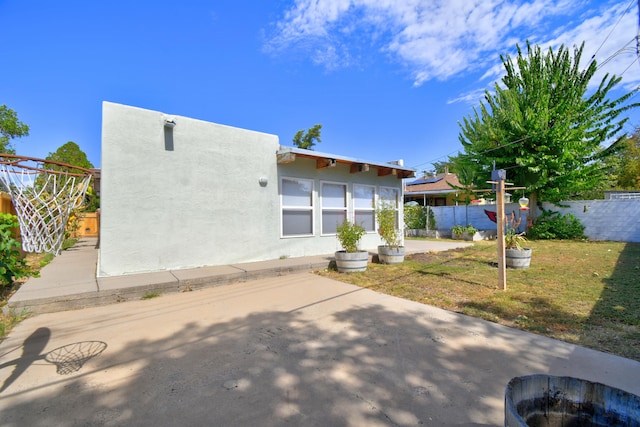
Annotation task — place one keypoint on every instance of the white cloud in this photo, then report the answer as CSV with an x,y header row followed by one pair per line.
x,y
439,39
473,98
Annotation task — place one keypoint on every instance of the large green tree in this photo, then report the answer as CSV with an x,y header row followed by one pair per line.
x,y
307,139
545,125
10,127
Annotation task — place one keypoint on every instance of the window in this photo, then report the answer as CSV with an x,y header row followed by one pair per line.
x,y
364,198
391,196
297,207
334,206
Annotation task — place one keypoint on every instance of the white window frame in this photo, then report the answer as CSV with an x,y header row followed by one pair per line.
x,y
310,208
324,208
371,209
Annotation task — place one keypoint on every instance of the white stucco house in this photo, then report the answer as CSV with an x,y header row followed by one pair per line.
x,y
182,193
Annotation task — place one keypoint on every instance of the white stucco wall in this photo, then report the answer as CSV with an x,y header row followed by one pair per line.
x,y
196,200
198,204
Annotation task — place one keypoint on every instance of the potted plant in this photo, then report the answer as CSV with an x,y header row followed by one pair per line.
x,y
350,259
463,232
456,231
516,255
469,232
391,252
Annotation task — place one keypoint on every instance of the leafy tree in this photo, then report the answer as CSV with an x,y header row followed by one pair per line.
x,y
10,127
71,154
307,139
444,166
544,126
629,154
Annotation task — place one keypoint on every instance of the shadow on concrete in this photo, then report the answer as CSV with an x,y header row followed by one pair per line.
x,y
31,349
619,305
67,359
372,366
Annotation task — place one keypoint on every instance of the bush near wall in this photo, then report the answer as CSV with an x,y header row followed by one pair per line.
x,y
415,218
12,263
553,225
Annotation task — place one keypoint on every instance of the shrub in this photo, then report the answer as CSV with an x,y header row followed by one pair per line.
x,y
552,225
415,217
349,235
386,216
459,229
12,264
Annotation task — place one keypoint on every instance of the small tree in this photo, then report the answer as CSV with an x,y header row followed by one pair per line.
x,y
386,216
307,139
349,235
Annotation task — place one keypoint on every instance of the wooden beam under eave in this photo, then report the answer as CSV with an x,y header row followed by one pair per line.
x,y
325,163
286,157
359,167
404,174
387,171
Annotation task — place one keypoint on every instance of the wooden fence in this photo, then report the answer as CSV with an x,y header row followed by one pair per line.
x,y
5,204
88,225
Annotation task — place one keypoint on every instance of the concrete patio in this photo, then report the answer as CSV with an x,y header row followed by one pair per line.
x,y
298,349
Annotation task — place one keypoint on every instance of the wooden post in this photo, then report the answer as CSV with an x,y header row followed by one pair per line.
x,y
502,270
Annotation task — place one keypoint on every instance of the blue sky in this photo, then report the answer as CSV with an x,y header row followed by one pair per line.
x,y
387,79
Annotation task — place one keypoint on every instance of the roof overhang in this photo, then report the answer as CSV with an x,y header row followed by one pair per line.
x,y
429,192
323,161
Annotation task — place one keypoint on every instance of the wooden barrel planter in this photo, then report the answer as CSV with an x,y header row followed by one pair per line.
x,y
390,255
550,401
350,262
518,258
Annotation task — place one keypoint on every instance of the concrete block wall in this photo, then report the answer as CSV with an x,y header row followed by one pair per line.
x,y
616,220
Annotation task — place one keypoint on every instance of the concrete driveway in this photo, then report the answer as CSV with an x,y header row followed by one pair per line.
x,y
296,350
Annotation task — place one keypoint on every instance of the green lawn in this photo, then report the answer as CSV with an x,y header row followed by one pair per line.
x,y
586,293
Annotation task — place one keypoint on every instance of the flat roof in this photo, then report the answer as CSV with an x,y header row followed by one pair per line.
x,y
326,160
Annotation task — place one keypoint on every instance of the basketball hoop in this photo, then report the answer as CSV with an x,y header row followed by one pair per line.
x,y
43,193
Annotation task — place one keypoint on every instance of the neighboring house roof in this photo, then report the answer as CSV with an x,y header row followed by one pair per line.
x,y
324,160
438,184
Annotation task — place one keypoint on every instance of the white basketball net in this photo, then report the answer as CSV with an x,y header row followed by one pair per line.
x,y
43,199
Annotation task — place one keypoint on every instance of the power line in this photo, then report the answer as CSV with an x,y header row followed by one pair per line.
x,y
612,29
625,70
479,154
624,49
